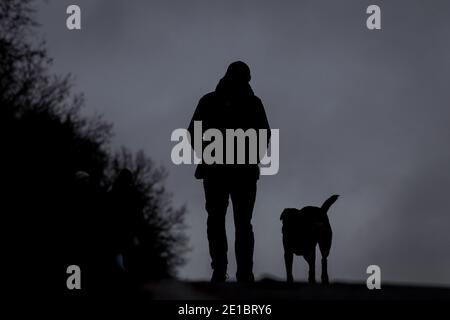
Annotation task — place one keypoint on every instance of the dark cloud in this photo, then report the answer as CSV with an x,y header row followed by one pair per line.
x,y
361,113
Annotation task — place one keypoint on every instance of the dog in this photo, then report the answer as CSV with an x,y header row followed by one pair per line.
x,y
302,231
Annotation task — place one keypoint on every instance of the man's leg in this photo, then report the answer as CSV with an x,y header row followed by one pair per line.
x,y
243,196
216,195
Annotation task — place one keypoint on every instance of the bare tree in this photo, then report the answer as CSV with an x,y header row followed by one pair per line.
x,y
45,139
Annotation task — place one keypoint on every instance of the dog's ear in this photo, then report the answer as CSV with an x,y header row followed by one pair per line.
x,y
283,214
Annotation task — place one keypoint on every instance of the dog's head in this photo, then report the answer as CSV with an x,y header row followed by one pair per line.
x,y
288,212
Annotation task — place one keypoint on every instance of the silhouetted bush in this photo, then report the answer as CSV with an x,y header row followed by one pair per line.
x,y
45,140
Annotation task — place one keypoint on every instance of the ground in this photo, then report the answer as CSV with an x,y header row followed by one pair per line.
x,y
272,290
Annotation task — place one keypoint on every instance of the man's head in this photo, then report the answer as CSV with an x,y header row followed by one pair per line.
x,y
238,72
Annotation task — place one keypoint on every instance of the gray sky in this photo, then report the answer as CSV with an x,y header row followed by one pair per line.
x,y
361,113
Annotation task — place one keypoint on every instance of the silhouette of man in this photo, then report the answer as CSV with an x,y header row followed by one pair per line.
x,y
232,105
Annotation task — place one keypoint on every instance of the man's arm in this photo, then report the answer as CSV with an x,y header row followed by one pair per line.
x,y
262,123
198,116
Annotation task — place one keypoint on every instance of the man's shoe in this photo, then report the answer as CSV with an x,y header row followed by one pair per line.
x,y
247,278
219,276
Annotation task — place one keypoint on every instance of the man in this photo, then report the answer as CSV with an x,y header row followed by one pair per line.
x,y
232,105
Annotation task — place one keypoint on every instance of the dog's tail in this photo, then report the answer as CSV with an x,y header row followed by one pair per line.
x,y
329,202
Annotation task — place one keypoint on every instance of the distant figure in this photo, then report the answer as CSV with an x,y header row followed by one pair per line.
x,y
83,229
81,208
126,216
232,105
302,231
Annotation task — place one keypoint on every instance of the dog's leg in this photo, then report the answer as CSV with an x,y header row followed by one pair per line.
x,y
324,246
288,260
311,260
324,276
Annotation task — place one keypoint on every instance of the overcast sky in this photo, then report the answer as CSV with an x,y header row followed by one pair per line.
x,y
361,113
